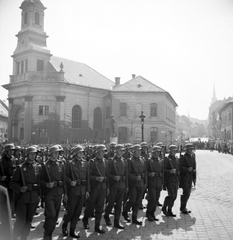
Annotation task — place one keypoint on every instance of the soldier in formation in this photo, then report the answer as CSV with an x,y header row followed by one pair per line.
x,y
115,180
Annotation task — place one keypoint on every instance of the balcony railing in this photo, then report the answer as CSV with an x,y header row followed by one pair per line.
x,y
38,77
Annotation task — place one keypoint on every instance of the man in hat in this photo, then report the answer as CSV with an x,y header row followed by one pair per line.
x,y
7,168
155,181
54,186
171,180
26,185
118,185
78,187
137,184
98,188
187,176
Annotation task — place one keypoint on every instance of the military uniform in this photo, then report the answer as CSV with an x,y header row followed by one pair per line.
x,y
118,184
137,184
98,185
171,181
155,181
187,176
53,182
77,173
26,185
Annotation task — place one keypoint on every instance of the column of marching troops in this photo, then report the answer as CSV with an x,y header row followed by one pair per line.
x,y
110,181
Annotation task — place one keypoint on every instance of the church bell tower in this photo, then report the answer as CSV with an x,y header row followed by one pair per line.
x,y
31,53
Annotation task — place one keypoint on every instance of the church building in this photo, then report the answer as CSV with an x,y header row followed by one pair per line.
x,y
55,100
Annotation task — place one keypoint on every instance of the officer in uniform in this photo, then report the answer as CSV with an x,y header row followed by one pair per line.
x,y
118,185
171,180
78,187
53,183
99,187
187,176
7,168
26,184
137,184
155,181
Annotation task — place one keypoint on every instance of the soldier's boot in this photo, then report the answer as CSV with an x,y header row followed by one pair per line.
x,y
149,216
165,212
117,224
153,216
64,229
170,213
126,216
135,221
107,220
73,234
99,229
85,223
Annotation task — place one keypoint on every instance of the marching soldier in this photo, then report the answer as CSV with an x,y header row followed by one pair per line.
x,y
99,186
171,180
137,184
187,176
118,185
111,151
26,184
155,181
7,168
78,187
53,183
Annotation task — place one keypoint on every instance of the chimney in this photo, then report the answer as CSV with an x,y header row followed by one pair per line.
x,y
117,81
133,75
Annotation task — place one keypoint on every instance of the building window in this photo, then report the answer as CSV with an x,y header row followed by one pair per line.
x,y
122,134
26,65
97,124
43,110
25,19
37,18
76,116
22,66
123,109
108,112
17,67
154,135
153,110
40,65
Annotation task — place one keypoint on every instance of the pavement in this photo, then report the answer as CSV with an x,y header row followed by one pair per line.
x,y
211,203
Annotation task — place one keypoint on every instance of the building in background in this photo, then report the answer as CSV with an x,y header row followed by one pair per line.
x,y
52,99
3,121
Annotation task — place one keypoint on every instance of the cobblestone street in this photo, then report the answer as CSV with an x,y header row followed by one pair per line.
x,y
211,203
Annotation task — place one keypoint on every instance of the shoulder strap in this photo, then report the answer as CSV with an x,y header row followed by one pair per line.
x,y
47,172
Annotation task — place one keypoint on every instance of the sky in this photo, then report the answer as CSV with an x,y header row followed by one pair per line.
x,y
182,46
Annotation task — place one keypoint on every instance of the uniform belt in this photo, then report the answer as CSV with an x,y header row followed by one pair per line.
x,y
33,187
81,182
58,183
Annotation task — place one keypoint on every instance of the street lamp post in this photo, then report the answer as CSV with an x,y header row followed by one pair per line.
x,y
142,117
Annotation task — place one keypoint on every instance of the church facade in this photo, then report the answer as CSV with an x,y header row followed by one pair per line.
x,y
54,100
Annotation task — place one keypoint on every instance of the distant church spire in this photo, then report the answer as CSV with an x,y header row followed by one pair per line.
x,y
214,99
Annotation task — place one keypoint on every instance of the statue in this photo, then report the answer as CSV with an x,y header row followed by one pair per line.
x,y
113,132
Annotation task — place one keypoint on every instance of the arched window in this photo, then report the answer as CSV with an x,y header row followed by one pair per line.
x,y
76,116
154,134
97,124
122,137
123,109
153,109
37,18
108,112
25,19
